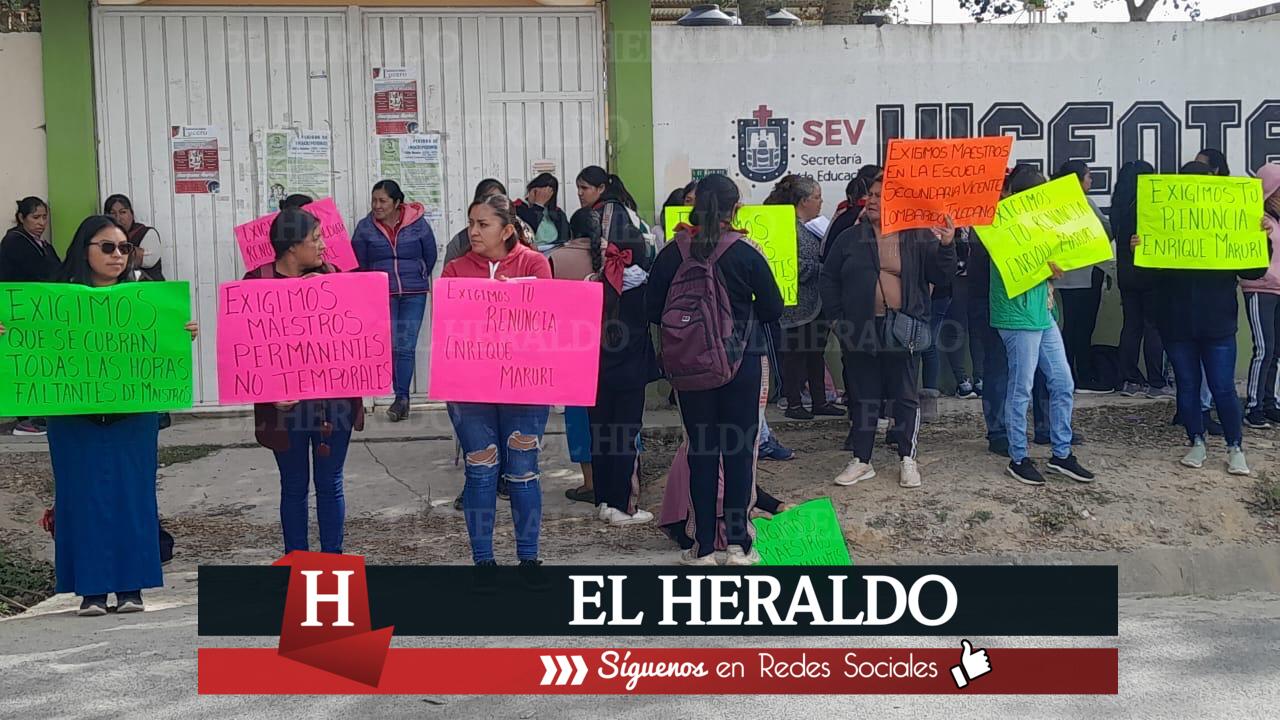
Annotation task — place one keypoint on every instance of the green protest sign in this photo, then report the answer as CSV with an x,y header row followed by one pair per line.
x,y
71,349
773,229
1053,222
1200,222
807,534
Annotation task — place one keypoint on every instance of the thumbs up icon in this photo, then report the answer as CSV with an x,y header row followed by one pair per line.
x,y
972,665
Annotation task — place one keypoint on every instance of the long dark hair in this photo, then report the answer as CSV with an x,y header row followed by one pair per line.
x,y
1124,199
1022,177
289,228
547,180
1217,161
506,212
26,206
487,187
613,187
75,268
713,208
860,186
116,199
585,223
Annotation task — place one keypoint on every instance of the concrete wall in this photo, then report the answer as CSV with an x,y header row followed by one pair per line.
x,y
22,136
831,97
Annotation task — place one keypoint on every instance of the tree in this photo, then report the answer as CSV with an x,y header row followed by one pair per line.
x,y
753,12
1139,10
848,12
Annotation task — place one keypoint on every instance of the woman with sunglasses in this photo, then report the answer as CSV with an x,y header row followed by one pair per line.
x,y
309,437
104,465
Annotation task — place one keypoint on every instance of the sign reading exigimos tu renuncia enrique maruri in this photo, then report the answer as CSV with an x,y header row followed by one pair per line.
x,y
1197,222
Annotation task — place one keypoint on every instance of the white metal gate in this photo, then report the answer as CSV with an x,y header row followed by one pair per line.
x,y
504,88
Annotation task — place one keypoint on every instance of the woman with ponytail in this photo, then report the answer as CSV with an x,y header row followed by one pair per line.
x,y
500,440
604,193
706,279
579,259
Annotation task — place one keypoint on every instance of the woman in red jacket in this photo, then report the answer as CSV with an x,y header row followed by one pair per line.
x,y
309,438
500,439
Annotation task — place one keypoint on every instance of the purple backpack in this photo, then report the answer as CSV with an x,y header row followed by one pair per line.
x,y
699,348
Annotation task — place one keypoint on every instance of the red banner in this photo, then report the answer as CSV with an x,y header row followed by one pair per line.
x,y
677,671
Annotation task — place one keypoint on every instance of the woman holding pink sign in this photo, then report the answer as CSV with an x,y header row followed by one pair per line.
x,y
309,438
396,239
500,440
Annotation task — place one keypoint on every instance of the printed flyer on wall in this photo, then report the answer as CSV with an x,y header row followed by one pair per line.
x,y
395,101
413,161
195,159
293,161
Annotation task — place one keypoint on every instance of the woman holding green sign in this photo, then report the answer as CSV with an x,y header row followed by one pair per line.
x,y
104,466
1197,314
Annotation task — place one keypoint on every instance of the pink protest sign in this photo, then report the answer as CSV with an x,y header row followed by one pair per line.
x,y
254,238
519,342
324,336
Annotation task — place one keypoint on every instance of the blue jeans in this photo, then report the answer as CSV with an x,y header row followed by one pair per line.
x,y
1028,350
314,456
501,440
995,388
577,432
406,321
947,343
1214,360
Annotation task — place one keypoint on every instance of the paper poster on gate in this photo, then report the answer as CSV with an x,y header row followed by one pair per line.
x,y
293,161
325,336
70,349
254,237
1053,222
924,180
194,159
1200,222
773,229
395,101
413,161
522,342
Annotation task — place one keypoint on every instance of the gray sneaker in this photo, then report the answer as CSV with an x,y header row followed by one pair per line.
x,y
1236,464
1162,393
1196,456
1131,389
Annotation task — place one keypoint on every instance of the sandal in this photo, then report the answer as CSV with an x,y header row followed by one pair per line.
x,y
581,494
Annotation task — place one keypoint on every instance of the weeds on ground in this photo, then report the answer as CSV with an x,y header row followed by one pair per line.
x,y
24,581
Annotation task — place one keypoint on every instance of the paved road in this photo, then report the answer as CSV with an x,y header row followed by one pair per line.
x,y
1189,657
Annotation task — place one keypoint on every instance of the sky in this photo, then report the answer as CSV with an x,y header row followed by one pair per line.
x,y
948,11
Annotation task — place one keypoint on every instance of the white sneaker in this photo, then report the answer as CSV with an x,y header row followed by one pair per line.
x,y
855,472
689,558
910,477
615,516
736,556
602,511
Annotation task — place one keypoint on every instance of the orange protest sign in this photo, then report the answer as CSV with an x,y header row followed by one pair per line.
x,y
927,179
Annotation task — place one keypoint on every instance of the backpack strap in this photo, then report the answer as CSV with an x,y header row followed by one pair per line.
x,y
684,241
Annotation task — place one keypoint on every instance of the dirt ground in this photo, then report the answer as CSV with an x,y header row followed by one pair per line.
x,y
967,505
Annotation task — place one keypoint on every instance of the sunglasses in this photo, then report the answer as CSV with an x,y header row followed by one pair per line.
x,y
109,248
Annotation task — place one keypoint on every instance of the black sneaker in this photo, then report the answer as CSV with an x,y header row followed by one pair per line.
x,y
485,579
798,413
93,606
1070,467
534,577
457,503
1025,472
1257,420
998,447
129,602
829,410
399,410
1211,426
1272,414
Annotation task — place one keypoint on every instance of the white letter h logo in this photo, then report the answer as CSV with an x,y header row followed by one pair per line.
x,y
314,598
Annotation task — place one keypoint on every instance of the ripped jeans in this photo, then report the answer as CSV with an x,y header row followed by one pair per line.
x,y
501,441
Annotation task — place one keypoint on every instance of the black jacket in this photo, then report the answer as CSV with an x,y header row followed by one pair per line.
x,y
533,215
25,259
851,275
753,293
1198,304
627,360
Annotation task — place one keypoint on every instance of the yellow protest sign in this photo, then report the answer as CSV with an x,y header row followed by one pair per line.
x,y
1200,222
773,229
1050,222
